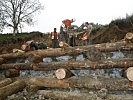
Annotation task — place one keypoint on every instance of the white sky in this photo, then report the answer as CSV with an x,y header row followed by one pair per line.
x,y
96,11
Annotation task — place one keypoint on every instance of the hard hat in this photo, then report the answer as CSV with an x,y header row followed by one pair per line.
x,y
85,28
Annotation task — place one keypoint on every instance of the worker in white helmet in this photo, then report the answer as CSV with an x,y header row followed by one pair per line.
x,y
88,32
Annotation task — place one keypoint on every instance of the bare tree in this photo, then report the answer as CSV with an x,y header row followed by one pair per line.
x,y
14,13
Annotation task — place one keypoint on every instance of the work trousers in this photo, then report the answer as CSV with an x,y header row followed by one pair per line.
x,y
55,43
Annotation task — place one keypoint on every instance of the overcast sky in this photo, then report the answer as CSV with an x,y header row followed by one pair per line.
x,y
96,11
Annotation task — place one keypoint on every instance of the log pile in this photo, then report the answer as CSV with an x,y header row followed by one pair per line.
x,y
65,79
11,89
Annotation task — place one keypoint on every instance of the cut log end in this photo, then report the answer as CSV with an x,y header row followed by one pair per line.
x,y
129,36
129,73
62,73
64,45
25,47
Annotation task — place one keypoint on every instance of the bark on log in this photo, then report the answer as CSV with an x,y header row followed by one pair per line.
x,y
104,47
5,82
60,95
21,66
12,73
63,73
83,82
1,61
72,65
33,58
11,89
33,88
75,65
129,73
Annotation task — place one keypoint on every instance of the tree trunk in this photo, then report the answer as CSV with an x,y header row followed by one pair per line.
x,y
83,82
12,73
104,47
11,89
72,65
60,95
5,82
63,73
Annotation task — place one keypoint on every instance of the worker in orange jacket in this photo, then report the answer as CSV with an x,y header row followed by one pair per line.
x,y
66,25
55,38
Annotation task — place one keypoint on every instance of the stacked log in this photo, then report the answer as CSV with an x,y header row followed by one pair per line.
x,y
83,82
11,89
12,73
72,65
5,82
57,95
21,66
108,47
1,60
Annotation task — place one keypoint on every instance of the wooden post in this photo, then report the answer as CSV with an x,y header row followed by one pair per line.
x,y
11,89
63,73
21,66
12,73
5,82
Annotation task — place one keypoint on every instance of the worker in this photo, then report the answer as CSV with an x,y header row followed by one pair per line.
x,y
84,37
72,38
66,26
68,22
55,38
88,32
62,33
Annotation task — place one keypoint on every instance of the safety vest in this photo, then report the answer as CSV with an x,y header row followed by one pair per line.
x,y
52,35
84,36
